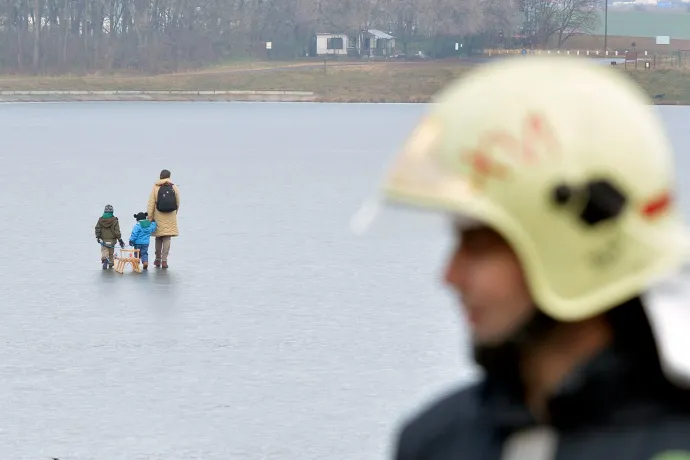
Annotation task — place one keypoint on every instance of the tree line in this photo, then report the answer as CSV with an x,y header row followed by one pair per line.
x,y
58,36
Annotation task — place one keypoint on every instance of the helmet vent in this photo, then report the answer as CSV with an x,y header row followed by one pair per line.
x,y
600,200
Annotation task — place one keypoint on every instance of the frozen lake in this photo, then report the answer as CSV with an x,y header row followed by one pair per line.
x,y
275,334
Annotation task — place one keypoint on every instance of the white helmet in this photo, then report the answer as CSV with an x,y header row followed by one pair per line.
x,y
539,149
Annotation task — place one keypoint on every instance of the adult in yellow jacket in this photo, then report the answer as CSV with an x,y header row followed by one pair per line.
x,y
164,203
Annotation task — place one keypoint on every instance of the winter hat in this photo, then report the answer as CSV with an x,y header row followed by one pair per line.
x,y
108,208
141,215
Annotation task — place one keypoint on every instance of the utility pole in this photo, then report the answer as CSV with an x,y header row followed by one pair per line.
x,y
606,24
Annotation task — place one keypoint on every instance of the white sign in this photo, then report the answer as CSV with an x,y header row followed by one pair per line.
x,y
457,46
663,40
269,45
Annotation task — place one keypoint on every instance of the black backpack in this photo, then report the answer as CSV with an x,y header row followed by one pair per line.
x,y
167,201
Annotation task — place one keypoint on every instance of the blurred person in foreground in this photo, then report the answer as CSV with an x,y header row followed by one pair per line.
x,y
557,178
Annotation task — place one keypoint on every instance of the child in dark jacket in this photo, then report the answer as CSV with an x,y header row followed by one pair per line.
x,y
107,234
141,236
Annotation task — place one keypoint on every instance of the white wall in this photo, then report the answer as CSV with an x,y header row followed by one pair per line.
x,y
322,44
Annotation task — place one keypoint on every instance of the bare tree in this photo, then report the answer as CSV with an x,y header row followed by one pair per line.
x,y
405,16
577,16
500,15
36,24
168,35
540,19
452,17
546,18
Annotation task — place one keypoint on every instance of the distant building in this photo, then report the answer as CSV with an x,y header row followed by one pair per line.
x,y
374,42
328,44
368,43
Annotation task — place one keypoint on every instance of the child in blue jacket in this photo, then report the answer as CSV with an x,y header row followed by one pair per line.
x,y
141,236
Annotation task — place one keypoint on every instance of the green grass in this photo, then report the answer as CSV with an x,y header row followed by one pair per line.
x,y
675,24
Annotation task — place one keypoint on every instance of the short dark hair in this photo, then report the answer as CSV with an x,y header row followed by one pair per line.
x,y
165,174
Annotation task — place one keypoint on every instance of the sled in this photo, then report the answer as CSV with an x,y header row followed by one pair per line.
x,y
125,257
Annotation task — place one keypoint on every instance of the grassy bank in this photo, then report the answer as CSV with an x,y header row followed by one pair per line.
x,y
334,82
674,84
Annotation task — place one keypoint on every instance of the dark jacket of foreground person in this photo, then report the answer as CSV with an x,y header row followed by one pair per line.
x,y
617,406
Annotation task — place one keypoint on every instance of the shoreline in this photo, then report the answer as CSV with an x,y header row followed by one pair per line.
x,y
155,96
38,96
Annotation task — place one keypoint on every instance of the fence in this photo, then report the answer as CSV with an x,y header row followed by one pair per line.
x,y
676,59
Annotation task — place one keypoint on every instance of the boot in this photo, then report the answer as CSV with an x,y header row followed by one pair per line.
x,y
104,262
157,263
146,265
165,264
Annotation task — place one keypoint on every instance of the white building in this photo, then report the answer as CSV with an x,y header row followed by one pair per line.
x,y
331,44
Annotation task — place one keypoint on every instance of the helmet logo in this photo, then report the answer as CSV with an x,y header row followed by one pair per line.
x,y
484,166
482,159
538,130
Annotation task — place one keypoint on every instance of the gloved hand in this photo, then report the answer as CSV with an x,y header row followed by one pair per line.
x,y
100,241
122,244
131,243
